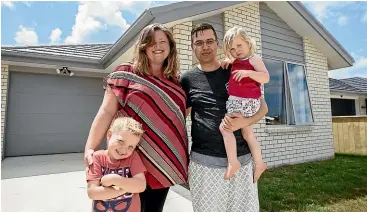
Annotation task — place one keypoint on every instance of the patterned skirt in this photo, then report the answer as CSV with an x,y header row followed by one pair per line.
x,y
212,193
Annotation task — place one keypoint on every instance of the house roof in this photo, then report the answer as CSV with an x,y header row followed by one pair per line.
x,y
353,85
357,82
105,56
86,51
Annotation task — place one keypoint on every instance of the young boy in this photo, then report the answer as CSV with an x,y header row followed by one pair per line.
x,y
117,175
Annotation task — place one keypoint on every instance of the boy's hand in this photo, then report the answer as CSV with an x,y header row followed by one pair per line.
x,y
240,74
109,180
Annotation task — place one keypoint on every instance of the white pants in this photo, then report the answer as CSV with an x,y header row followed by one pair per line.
x,y
212,193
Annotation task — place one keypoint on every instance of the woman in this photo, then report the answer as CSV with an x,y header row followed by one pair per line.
x,y
149,92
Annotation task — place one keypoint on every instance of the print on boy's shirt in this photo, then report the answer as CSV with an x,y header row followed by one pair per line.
x,y
118,204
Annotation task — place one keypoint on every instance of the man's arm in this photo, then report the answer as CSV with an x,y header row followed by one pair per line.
x,y
98,192
188,111
237,121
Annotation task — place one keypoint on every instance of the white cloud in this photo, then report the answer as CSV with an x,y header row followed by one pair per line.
x,y
343,20
26,36
91,15
8,4
364,18
324,10
55,35
359,69
27,3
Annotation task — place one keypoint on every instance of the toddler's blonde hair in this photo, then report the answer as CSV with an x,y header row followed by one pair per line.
x,y
230,36
127,124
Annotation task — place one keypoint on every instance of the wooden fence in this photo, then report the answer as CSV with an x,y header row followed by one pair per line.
x,y
350,134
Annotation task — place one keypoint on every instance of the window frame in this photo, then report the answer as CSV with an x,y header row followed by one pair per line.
x,y
288,102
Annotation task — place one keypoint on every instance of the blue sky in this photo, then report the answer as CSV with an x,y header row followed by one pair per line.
x,y
45,23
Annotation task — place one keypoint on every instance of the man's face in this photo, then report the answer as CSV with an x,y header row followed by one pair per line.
x,y
205,46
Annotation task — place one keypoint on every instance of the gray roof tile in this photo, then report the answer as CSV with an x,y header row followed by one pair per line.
x,y
355,84
90,51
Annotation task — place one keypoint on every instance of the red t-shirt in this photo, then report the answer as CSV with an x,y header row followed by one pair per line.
x,y
247,87
129,167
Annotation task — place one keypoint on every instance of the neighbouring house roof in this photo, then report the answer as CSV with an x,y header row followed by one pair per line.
x,y
351,85
293,13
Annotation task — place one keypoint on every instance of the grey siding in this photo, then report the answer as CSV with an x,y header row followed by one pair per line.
x,y
50,114
217,22
278,40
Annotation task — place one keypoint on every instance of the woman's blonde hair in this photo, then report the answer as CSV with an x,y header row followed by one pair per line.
x,y
127,124
234,32
140,59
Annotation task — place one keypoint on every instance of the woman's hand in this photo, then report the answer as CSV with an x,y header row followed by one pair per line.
x,y
88,159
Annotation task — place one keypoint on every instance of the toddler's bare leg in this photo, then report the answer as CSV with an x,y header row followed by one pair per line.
x,y
260,166
231,149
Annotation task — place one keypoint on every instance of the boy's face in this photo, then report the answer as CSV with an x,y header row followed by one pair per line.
x,y
121,146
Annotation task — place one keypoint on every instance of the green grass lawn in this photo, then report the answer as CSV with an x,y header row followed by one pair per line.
x,y
315,186
337,185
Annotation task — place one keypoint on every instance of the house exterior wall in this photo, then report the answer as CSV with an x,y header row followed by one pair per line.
x,y
4,93
182,35
277,38
298,144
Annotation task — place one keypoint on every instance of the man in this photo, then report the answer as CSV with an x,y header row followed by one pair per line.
x,y
205,87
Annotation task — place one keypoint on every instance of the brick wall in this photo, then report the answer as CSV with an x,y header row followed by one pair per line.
x,y
182,36
4,91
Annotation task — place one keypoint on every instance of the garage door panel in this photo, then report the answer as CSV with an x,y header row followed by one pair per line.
x,y
51,84
59,104
52,123
50,114
28,144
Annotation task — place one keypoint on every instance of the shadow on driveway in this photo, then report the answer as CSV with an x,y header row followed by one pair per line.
x,y
15,167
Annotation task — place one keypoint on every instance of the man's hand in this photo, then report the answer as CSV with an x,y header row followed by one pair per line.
x,y
235,122
109,180
226,63
238,75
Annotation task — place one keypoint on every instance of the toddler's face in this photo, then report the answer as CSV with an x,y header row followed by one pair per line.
x,y
239,48
121,146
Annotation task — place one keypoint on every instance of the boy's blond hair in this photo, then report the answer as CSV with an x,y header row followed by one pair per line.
x,y
234,32
127,124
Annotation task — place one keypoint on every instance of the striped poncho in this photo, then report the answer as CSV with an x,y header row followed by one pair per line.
x,y
159,105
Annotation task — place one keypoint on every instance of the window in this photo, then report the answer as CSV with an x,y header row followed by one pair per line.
x,y
287,94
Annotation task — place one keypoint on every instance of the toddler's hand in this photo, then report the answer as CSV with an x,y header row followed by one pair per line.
x,y
238,75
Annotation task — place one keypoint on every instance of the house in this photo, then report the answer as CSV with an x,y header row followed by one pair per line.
x,y
348,96
47,112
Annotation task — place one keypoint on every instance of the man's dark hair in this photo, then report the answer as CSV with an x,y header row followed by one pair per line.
x,y
201,27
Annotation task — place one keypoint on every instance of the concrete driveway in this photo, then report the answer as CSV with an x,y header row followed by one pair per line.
x,y
57,183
